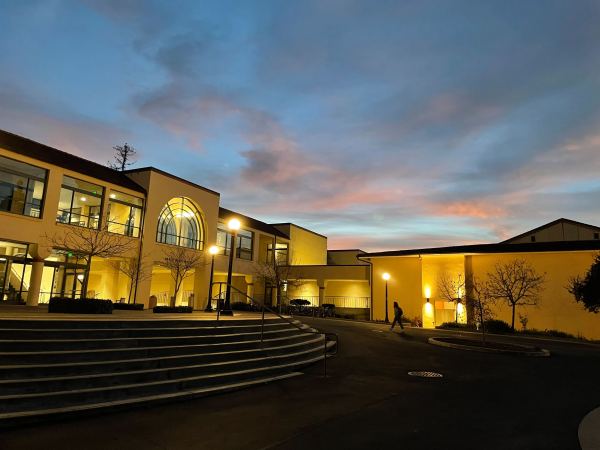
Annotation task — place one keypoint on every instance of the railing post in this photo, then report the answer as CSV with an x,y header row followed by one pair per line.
x,y
262,327
325,355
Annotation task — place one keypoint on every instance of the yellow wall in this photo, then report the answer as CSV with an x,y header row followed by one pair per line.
x,y
435,267
556,310
404,286
306,247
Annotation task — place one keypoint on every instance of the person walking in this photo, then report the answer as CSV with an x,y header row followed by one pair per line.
x,y
397,316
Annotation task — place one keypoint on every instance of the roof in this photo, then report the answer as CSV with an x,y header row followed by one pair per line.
x,y
551,224
298,226
357,250
50,155
502,247
175,177
252,223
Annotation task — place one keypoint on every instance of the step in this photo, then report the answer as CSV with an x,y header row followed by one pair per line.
x,y
31,416
20,402
72,356
48,369
72,382
52,344
124,332
114,323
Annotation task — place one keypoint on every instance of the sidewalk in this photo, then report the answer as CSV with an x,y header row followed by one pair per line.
x,y
589,431
12,312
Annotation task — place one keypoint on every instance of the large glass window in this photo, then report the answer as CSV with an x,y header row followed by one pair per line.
x,y
21,187
124,214
15,271
243,245
80,203
281,253
180,223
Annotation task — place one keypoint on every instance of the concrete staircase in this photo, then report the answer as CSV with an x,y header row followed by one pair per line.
x,y
54,368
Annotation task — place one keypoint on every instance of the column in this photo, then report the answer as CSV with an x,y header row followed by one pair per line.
x,y
35,281
322,284
201,282
249,286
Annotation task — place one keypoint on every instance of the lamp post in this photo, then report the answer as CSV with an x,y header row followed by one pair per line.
x,y
386,277
213,250
234,226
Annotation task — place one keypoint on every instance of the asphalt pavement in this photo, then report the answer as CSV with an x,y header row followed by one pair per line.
x,y
368,401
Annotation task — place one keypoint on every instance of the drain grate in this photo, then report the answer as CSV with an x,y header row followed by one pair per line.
x,y
426,374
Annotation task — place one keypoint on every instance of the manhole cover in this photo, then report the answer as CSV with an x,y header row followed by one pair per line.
x,y
426,374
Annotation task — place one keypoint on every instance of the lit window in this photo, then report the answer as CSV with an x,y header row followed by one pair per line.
x,y
21,187
243,246
124,214
281,253
80,203
180,223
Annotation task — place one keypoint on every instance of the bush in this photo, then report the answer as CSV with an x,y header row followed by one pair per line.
x,y
243,306
497,326
129,306
80,306
551,333
173,309
299,302
456,326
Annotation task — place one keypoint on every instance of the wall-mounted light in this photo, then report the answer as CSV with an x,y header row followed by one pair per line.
x,y
427,293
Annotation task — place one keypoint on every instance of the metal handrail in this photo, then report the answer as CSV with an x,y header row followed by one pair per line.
x,y
262,329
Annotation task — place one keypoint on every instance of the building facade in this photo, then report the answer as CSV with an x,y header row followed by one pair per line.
x,y
50,199
558,250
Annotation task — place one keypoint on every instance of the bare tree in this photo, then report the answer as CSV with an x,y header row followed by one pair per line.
x,y
450,288
89,243
181,261
479,300
136,270
124,157
277,275
517,282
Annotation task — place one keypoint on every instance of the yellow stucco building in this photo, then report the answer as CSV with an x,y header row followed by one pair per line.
x,y
558,250
47,196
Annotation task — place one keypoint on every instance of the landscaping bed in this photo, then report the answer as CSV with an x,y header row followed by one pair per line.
x,y
80,306
488,346
173,309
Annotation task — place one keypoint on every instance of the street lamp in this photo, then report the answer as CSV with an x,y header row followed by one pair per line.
x,y
386,277
213,250
233,225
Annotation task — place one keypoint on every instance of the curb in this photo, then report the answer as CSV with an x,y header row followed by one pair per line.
x,y
535,353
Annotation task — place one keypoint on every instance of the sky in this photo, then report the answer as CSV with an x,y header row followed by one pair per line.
x,y
381,124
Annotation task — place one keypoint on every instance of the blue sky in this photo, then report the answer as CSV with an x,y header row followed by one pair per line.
x,y
381,124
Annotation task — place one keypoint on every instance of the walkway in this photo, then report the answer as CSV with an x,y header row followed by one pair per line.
x,y
41,313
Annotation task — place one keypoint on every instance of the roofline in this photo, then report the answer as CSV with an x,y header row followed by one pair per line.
x,y
530,247
274,231
133,186
175,177
298,226
550,224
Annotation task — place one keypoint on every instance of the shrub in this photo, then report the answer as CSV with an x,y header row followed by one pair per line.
x,y
456,326
129,306
551,333
299,302
243,306
173,309
79,306
497,326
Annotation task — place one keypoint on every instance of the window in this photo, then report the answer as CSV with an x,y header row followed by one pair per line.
x,y
243,242
15,272
596,235
80,203
180,223
281,253
532,238
21,187
124,214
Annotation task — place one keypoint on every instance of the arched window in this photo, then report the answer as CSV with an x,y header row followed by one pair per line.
x,y
180,223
